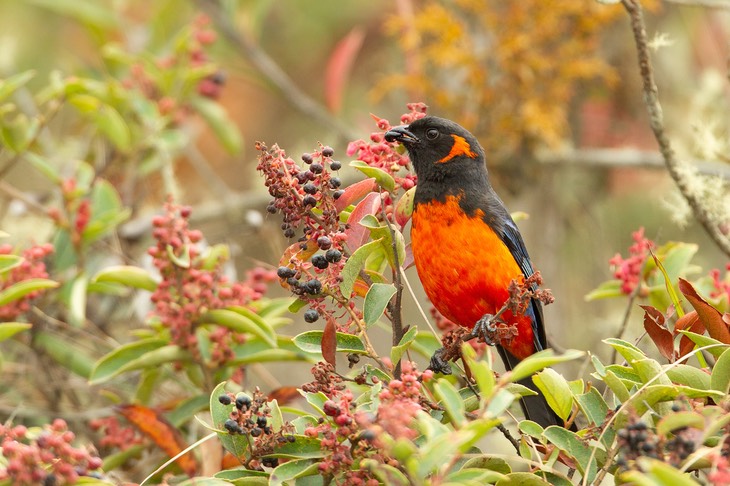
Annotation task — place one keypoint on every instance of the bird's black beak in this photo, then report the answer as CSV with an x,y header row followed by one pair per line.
x,y
401,134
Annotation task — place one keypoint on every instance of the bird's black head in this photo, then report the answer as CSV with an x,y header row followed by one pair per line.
x,y
439,149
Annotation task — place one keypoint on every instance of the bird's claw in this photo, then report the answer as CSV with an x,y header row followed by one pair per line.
x,y
438,364
485,328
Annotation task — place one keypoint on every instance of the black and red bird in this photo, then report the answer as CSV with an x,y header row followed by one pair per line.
x,y
466,246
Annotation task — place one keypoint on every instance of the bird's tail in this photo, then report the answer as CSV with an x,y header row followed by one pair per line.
x,y
535,407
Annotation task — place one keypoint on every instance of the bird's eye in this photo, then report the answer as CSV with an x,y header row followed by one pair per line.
x,y
432,133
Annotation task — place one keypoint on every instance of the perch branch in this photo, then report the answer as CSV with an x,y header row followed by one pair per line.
x,y
651,98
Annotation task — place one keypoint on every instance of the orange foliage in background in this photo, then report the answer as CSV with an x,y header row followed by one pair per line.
x,y
505,70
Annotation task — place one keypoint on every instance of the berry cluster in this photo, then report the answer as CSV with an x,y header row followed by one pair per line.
x,y
385,155
191,285
721,285
115,435
628,270
305,196
250,416
190,55
637,440
350,436
31,267
46,457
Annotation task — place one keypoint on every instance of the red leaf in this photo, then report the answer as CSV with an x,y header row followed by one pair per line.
x,y
284,395
658,332
408,262
358,234
689,322
329,342
708,315
161,432
354,192
339,67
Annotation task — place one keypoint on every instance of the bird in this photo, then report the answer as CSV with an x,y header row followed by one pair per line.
x,y
466,247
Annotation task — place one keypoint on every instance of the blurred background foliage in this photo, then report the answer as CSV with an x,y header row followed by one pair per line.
x,y
550,88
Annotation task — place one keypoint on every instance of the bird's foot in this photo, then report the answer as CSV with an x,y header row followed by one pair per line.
x,y
438,364
486,328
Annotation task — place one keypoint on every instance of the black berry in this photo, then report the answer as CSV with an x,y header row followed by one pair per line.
x,y
316,168
335,165
289,233
335,182
231,426
319,261
333,256
285,272
313,286
302,177
292,282
255,432
324,242
311,316
224,399
270,461
310,188
309,201
261,421
337,194
328,152
243,402
307,158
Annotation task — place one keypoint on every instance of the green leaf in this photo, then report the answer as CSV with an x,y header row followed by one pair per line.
x,y
302,447
665,474
64,352
556,391
376,301
720,379
106,367
571,444
521,479
77,301
354,264
89,12
10,329
689,376
19,290
679,420
473,476
8,262
297,468
629,352
396,352
236,444
186,409
43,165
701,340
593,406
450,400
383,179
531,428
11,84
113,126
607,290
156,357
225,129
242,320
128,275
496,464
311,342
540,360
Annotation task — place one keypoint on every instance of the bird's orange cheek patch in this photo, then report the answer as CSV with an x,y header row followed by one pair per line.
x,y
460,147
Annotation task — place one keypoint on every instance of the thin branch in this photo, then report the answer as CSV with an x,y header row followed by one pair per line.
x,y
396,303
651,98
607,158
271,70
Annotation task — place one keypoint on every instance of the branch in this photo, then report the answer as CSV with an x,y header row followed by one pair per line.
x,y
268,67
618,158
651,98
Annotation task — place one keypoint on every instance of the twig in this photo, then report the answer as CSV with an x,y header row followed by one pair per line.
x,y
395,304
651,98
625,322
268,67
